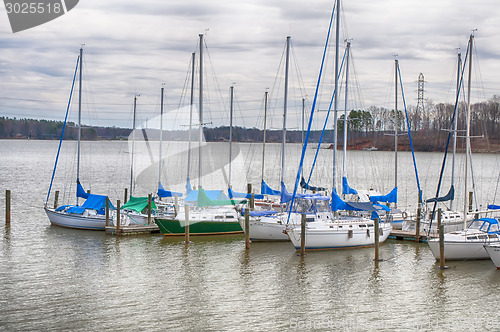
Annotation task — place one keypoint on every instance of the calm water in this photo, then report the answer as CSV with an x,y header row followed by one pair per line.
x,y
60,279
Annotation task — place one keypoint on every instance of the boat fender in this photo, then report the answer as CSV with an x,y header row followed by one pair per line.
x,y
404,214
368,233
349,233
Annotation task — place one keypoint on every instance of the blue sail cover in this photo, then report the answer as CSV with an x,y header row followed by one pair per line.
x,y
493,207
93,202
391,197
266,190
234,194
346,190
80,192
211,194
285,195
166,193
337,203
306,186
448,197
260,213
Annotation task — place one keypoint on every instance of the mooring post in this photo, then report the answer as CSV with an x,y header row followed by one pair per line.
x,y
247,228
441,241
419,215
303,234
56,199
252,202
377,239
118,217
7,207
150,198
107,211
125,197
176,204
186,228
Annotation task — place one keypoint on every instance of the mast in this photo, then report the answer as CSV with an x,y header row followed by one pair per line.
x,y
336,95
191,115
348,45
285,105
455,127
161,136
200,138
396,123
303,118
264,139
230,133
133,148
79,120
467,137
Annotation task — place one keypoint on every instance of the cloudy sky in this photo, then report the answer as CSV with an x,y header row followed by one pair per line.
x,y
133,47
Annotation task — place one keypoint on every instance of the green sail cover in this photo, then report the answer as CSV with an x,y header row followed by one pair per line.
x,y
203,200
138,204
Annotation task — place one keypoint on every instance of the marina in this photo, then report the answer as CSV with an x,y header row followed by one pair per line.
x,y
137,278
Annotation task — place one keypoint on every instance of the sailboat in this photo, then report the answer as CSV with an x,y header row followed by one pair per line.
x,y
325,228
91,214
470,242
210,211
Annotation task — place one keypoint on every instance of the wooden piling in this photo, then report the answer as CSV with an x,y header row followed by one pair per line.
x,y
303,234
56,199
118,217
125,197
107,211
7,207
441,241
186,228
377,240
247,228
419,215
150,198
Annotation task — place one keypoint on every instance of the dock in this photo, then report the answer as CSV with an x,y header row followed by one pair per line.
x,y
407,235
133,229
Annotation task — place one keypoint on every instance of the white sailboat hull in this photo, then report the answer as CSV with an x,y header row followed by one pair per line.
x,y
267,229
77,221
460,246
493,251
330,236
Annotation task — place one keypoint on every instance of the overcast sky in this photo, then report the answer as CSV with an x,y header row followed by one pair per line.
x,y
132,47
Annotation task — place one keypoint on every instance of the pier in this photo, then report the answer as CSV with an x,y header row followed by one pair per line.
x,y
407,235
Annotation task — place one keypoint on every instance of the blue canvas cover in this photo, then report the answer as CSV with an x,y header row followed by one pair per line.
x,y
80,192
304,185
75,210
166,193
266,190
188,186
346,190
337,203
234,194
391,197
493,207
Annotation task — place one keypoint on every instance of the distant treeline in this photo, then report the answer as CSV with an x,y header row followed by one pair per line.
x,y
366,128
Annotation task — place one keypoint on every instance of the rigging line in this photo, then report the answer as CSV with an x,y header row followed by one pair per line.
x,y
304,147
64,126
447,141
325,123
409,134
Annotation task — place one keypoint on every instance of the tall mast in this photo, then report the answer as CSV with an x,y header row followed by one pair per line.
x,y
285,105
348,45
191,115
200,138
336,95
455,126
230,133
467,137
396,123
303,118
264,139
79,119
161,136
133,148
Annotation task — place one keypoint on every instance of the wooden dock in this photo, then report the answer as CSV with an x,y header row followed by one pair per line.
x,y
133,229
406,235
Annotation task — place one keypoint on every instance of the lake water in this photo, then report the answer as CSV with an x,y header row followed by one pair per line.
x,y
53,278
